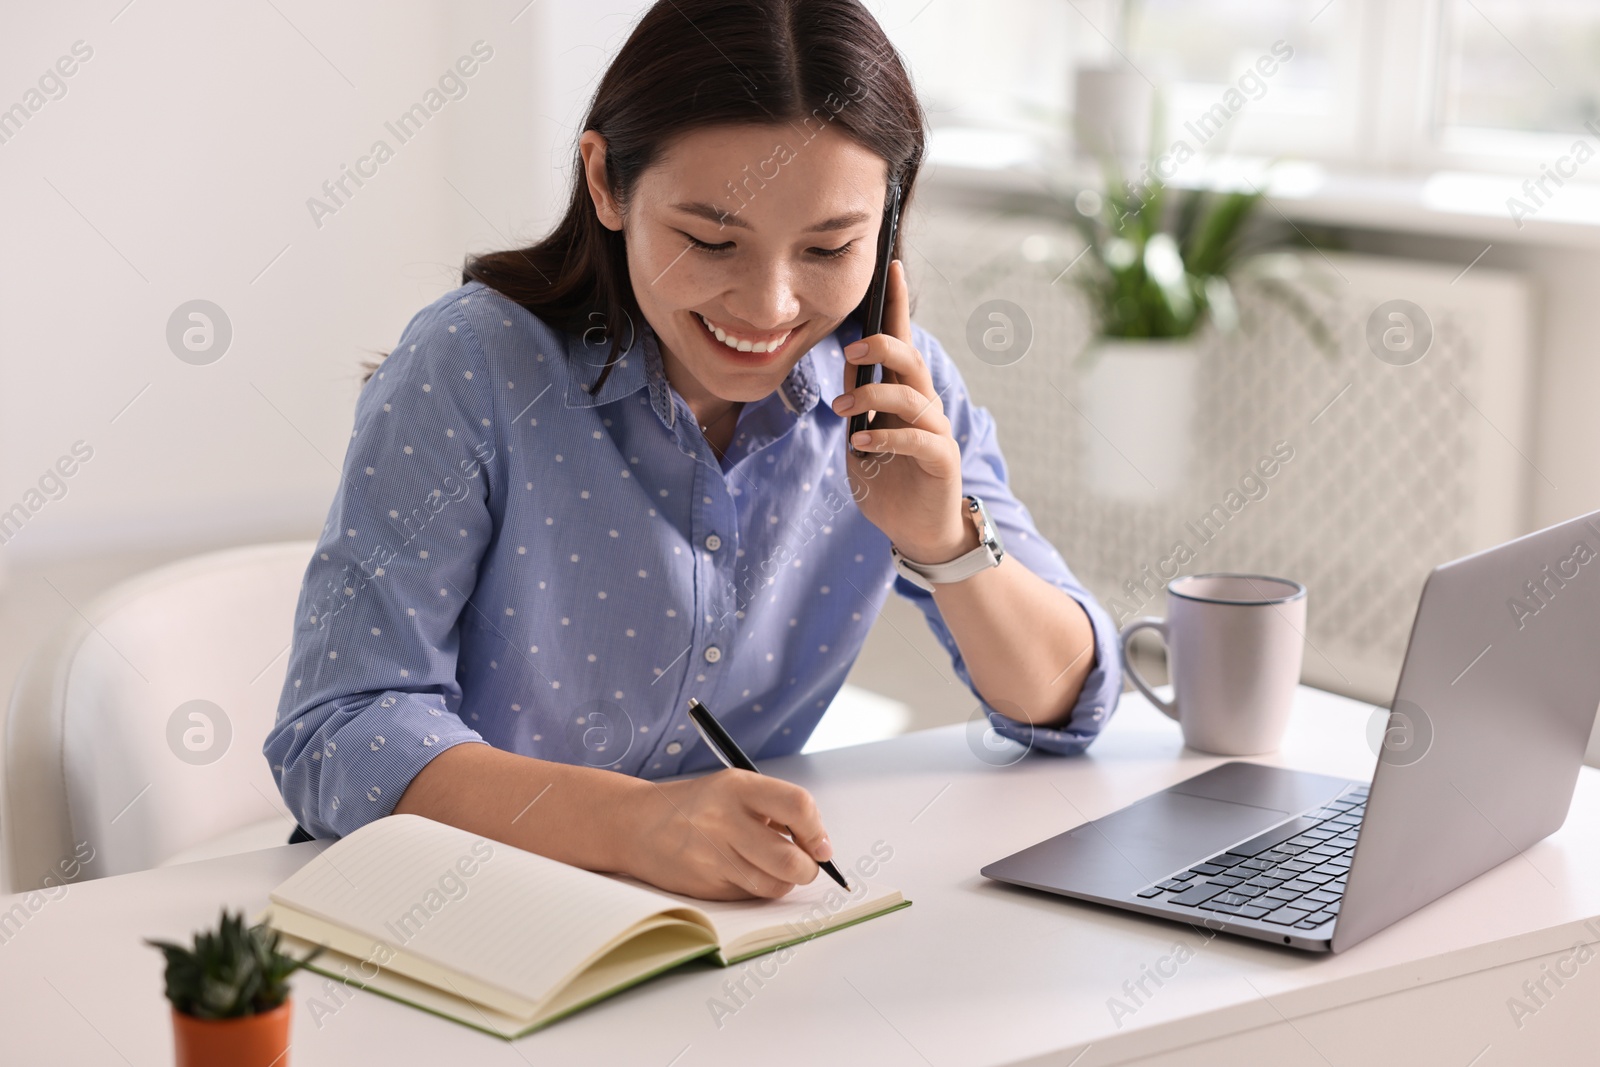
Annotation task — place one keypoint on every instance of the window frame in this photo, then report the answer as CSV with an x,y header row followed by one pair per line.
x,y
1390,120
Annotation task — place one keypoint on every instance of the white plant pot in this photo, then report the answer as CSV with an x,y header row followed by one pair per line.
x,y
1111,113
1137,403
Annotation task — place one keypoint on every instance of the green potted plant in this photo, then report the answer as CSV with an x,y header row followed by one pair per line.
x,y
230,996
1160,266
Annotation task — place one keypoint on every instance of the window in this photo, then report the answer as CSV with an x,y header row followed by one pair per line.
x,y
1000,64
1372,85
1523,65
1198,52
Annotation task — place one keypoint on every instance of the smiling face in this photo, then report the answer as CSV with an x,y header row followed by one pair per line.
x,y
769,237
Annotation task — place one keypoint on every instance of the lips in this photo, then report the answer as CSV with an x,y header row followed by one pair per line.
x,y
747,355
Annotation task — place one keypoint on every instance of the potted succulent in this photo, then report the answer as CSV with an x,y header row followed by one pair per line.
x,y
230,996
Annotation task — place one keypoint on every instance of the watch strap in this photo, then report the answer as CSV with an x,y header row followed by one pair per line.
x,y
988,554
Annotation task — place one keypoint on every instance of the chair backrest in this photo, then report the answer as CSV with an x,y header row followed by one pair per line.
x,y
134,732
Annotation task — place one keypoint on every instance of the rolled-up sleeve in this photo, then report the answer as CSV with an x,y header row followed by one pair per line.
x,y
371,694
983,474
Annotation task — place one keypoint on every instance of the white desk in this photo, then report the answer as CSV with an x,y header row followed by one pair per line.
x,y
973,973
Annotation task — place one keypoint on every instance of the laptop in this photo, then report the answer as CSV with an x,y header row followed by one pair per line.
x,y
1485,738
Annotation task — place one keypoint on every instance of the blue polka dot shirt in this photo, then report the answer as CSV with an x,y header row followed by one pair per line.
x,y
515,558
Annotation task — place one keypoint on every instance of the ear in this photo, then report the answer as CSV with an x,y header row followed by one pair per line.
x,y
592,147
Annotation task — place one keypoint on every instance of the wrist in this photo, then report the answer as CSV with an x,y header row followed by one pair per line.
x,y
627,807
960,539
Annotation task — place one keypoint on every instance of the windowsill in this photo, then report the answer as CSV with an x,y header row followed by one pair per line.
x,y
1444,203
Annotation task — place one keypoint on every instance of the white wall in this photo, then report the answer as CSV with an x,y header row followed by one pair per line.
x,y
177,166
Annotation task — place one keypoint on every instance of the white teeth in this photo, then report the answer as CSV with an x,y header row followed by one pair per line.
x,y
744,346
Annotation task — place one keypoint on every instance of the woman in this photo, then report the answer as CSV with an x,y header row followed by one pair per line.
x,y
610,473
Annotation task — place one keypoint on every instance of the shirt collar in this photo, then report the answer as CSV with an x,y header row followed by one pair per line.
x,y
817,377
631,369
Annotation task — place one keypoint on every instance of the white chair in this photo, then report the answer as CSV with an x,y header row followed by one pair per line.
x,y
134,733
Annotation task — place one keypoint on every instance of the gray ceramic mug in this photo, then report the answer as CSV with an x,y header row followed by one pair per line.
x,y
1234,647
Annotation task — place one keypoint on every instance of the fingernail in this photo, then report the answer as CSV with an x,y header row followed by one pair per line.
x,y
825,850
851,351
844,402
861,440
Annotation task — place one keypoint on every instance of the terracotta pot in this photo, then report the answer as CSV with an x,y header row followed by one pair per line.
x,y
252,1041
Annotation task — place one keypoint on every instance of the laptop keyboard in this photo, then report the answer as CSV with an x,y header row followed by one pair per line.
x,y
1293,875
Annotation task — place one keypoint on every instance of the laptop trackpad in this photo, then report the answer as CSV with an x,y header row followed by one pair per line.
x,y
1134,846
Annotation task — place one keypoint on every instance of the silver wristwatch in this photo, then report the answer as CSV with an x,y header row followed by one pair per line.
x,y
988,554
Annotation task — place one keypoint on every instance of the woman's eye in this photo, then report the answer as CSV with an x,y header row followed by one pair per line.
x,y
696,242
833,253
820,253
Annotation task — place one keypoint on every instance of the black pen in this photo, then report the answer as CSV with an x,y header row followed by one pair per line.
x,y
729,752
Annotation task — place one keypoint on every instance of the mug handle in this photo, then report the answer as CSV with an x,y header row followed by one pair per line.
x,y
1170,708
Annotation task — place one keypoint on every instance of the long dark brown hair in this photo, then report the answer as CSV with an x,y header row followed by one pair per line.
x,y
691,64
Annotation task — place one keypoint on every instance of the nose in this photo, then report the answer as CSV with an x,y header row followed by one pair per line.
x,y
765,299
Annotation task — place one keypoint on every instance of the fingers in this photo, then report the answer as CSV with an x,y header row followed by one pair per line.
x,y
773,862
746,858
770,862
893,347
938,454
755,880
900,359
897,306
789,806
899,400
728,837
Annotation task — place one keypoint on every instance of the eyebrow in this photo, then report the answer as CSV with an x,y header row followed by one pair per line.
x,y
712,213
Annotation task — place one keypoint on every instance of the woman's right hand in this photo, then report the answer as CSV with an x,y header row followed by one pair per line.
x,y
722,836
718,837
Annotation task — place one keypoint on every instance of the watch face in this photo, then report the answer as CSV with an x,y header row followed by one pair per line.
x,y
987,533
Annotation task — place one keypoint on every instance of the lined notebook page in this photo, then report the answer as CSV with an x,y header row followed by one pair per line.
x,y
803,910
519,921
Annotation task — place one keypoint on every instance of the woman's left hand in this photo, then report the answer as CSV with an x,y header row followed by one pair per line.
x,y
910,484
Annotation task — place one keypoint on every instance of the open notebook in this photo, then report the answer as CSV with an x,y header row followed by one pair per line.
x,y
508,941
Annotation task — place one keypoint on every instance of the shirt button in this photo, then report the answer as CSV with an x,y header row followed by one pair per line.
x,y
713,542
674,748
713,653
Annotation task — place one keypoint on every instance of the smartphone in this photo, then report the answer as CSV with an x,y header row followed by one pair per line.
x,y
877,297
